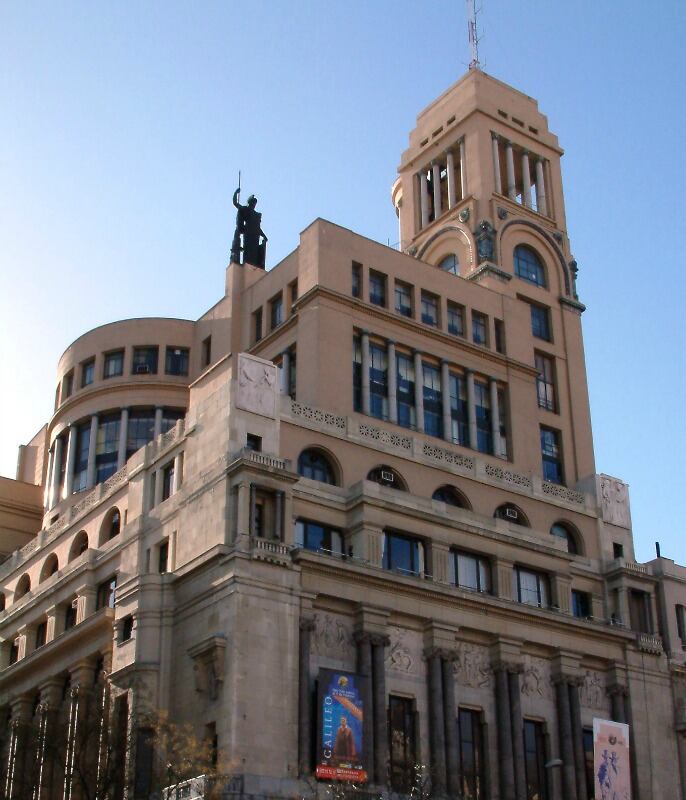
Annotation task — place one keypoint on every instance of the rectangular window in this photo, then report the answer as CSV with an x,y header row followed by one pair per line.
x,y
458,410
292,373
639,611
113,364
405,391
357,374
433,415
479,328
545,381
403,553
588,762
127,628
403,298
534,760
581,604
41,634
472,762
168,481
455,319
107,447
357,279
470,571
276,311
83,436
67,385
176,361
257,324
144,360
70,615
318,537
617,550
429,309
207,351
140,430
530,587
163,557
293,289
107,593
402,746
377,288
551,455
499,328
681,622
253,442
500,447
87,372
484,433
14,653
540,323
378,381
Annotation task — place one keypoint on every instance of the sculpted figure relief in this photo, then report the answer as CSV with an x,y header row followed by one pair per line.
x,y
256,386
331,637
472,667
399,657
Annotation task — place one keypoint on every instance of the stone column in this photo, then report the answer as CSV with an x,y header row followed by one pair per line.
x,y
436,171
379,644
364,668
17,768
495,416
159,486
424,198
48,481
278,515
123,437
564,720
71,461
496,164
56,469
471,409
91,471
419,390
436,723
86,599
541,201
504,727
445,401
450,169
178,472
366,363
463,169
158,421
578,739
48,709
285,372
450,715
304,698
79,737
392,383
618,702
526,180
509,160
517,730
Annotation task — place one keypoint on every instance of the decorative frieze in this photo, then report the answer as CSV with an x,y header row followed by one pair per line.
x,y
399,657
385,437
332,636
472,666
317,415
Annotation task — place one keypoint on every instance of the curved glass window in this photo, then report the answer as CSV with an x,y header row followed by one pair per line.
x,y
450,496
313,464
510,513
563,532
528,265
387,476
450,264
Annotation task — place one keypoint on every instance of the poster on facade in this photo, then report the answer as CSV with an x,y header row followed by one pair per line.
x,y
340,737
611,760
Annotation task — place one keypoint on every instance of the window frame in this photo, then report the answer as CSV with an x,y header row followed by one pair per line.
x,y
430,302
541,327
480,324
531,270
305,531
112,357
403,291
87,371
145,359
174,353
484,583
378,280
542,587
551,458
415,552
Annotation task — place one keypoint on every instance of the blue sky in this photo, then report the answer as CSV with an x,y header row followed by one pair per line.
x,y
123,127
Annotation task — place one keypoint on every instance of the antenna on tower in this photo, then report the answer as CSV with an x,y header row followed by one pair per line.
x,y
473,34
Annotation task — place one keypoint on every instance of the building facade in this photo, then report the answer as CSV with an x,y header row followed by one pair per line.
x,y
372,461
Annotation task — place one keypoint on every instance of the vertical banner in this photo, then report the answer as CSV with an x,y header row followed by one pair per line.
x,y
340,737
611,760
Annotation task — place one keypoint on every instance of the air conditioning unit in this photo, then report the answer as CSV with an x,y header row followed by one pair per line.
x,y
75,604
142,369
387,476
511,513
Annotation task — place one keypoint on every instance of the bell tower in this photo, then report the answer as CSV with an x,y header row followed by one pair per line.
x,y
481,157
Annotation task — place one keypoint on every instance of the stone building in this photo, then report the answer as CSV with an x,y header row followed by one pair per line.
x,y
369,460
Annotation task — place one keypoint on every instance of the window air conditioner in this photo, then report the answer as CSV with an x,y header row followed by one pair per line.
x,y
75,604
142,369
387,476
511,513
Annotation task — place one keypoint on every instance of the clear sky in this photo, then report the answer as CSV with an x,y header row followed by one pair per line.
x,y
123,127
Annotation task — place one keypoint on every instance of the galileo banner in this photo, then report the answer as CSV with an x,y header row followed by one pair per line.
x,y
340,738
611,761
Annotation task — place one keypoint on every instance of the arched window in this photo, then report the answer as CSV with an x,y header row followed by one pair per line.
x,y
23,586
564,531
79,545
50,567
528,265
387,476
510,513
451,497
315,465
111,525
450,264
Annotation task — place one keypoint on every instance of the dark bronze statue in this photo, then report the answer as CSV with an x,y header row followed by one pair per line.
x,y
248,226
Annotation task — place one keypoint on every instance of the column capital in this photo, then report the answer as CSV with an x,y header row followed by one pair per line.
x,y
416,353
306,624
379,639
617,690
505,665
445,362
390,342
495,136
364,332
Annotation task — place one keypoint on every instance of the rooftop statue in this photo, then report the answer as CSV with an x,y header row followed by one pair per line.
x,y
248,226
